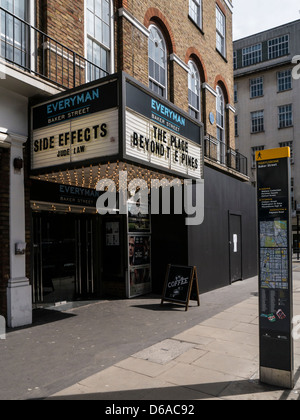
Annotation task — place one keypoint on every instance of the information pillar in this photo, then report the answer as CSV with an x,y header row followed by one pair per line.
x,y
275,267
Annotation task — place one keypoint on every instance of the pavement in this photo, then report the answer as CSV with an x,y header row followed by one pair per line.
x,y
217,359
138,350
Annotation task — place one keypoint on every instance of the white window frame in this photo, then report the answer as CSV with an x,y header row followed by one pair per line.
x,y
192,75
221,128
277,47
285,116
236,97
195,12
284,78
111,60
257,122
256,87
235,60
221,31
252,55
151,79
30,19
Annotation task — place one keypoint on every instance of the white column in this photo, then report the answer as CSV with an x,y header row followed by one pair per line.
x,y
19,296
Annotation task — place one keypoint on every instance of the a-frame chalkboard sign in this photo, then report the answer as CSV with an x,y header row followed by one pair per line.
x,y
181,285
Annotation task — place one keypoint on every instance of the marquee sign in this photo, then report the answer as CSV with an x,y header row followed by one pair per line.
x,y
158,134
75,128
116,119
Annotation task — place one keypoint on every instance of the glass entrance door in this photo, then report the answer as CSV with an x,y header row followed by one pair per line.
x,y
64,266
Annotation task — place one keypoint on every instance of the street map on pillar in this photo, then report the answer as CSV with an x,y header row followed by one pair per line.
x,y
274,258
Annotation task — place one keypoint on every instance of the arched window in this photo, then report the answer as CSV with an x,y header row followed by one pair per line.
x,y
220,115
158,70
221,125
194,91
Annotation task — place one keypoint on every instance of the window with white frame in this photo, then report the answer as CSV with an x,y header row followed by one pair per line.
x,y
194,93
235,62
285,116
278,47
158,69
256,87
98,28
257,122
253,155
14,32
221,31
220,115
284,80
235,93
252,55
195,11
289,144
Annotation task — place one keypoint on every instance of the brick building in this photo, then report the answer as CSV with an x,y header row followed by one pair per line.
x,y
180,54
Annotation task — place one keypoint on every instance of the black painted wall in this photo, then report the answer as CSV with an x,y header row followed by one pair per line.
x,y
207,246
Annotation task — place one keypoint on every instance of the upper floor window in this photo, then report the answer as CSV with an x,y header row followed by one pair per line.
x,y
158,68
195,11
14,32
98,27
221,31
256,87
284,80
194,91
285,116
235,93
278,47
252,55
220,115
257,122
235,61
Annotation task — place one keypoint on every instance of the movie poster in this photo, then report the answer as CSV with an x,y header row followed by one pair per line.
x,y
140,281
139,265
139,250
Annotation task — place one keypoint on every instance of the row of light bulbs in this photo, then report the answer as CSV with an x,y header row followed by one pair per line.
x,y
88,177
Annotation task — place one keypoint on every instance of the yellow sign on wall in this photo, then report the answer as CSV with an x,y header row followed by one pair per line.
x,y
281,152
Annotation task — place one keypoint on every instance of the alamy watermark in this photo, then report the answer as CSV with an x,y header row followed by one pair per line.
x,y
188,197
2,328
296,69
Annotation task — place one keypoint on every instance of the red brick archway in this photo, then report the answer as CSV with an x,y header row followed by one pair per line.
x,y
220,81
193,54
154,16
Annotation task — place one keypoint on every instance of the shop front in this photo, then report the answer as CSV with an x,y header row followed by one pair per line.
x,y
102,158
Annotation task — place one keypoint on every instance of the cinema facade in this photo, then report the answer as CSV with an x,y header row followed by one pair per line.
x,y
66,142
83,251
113,132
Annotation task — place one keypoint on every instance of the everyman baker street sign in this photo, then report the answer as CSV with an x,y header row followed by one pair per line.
x,y
161,135
76,128
115,119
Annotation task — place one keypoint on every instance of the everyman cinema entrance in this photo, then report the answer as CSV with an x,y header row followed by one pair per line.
x,y
65,256
113,133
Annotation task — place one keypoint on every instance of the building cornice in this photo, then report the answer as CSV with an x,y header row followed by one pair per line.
x,y
231,108
174,57
229,5
210,89
136,23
